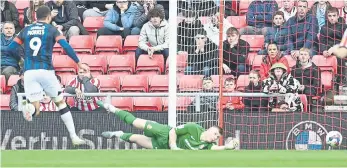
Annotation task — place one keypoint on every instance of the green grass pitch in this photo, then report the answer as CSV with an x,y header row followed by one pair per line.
x,y
167,158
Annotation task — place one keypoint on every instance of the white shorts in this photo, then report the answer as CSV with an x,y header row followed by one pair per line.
x,y
39,82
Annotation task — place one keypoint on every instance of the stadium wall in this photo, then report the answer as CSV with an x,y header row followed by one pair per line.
x,y
257,130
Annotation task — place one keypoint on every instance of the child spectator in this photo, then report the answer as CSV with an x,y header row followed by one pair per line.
x,y
231,103
143,8
254,104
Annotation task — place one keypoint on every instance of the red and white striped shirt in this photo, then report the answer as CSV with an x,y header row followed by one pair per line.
x,y
50,106
88,103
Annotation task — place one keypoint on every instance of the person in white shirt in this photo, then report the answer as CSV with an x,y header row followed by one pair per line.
x,y
288,9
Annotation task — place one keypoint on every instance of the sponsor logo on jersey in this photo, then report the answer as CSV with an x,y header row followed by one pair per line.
x,y
306,135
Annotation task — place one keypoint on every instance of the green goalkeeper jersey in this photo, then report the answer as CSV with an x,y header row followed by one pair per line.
x,y
188,137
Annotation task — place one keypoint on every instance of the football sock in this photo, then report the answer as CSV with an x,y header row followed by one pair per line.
x,y
68,120
126,137
126,116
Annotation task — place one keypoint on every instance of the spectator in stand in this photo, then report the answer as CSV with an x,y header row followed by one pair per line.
x,y
254,104
166,5
142,11
231,103
318,10
17,88
278,34
97,8
30,12
119,20
288,9
343,11
330,35
187,30
84,83
9,63
307,73
303,30
284,83
235,52
46,104
259,17
65,18
212,28
203,8
202,57
81,7
9,13
154,36
274,56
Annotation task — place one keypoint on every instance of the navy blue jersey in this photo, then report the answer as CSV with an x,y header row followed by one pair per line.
x,y
38,40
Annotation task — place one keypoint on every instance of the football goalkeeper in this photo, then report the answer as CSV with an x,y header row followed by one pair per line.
x,y
158,136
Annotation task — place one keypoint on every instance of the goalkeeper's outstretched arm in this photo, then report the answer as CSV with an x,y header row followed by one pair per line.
x,y
233,144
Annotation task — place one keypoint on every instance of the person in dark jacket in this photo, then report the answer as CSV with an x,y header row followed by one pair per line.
x,y
203,8
97,8
142,11
307,73
254,104
9,63
331,35
278,34
81,7
30,12
319,10
303,30
259,17
65,17
17,88
202,57
9,13
235,52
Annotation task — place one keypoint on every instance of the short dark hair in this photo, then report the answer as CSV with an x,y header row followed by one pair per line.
x,y
9,22
230,79
42,12
303,1
332,10
278,13
220,129
156,12
232,30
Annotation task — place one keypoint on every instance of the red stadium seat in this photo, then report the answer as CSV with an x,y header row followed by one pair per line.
x,y
70,101
242,82
131,43
325,63
64,65
181,62
21,20
182,103
237,21
112,44
2,83
65,79
5,102
190,83
121,64
109,83
12,80
21,4
124,103
134,83
148,104
255,60
57,49
243,7
303,99
82,44
327,79
337,4
159,83
93,24
97,63
146,65
291,60
256,42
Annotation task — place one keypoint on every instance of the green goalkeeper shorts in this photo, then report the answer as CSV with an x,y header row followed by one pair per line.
x,y
159,134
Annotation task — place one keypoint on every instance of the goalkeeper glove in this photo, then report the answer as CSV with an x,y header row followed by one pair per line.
x,y
234,143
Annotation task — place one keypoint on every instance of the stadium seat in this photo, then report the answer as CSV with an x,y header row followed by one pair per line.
x,y
146,65
148,104
327,79
159,83
181,62
2,83
57,49
134,83
93,24
21,4
12,80
337,4
109,83
291,60
190,83
97,63
5,102
112,44
256,42
255,60
124,103
243,6
64,65
325,63
182,103
303,99
242,82
237,21
83,44
131,43
121,64
21,20
70,101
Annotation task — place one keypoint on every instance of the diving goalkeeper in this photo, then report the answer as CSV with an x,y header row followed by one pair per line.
x,y
158,136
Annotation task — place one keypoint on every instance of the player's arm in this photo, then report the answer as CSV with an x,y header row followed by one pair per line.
x,y
68,49
173,139
231,145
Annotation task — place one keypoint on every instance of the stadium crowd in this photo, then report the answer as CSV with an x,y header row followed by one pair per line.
x,y
269,46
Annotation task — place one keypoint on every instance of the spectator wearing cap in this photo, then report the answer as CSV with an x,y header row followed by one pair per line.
x,y
254,104
202,57
280,81
9,13
17,88
234,102
235,52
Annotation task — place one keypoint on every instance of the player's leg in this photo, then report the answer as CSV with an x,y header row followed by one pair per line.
x,y
141,140
53,89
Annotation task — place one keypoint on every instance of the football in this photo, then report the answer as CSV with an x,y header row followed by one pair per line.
x,y
334,138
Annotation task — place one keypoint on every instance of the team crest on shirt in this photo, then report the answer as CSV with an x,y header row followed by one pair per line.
x,y
306,135
149,126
